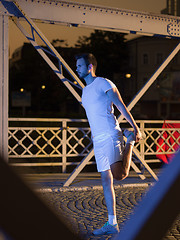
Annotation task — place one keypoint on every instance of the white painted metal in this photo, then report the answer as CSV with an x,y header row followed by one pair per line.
x,y
4,86
99,17
137,170
62,140
71,141
138,155
79,168
64,145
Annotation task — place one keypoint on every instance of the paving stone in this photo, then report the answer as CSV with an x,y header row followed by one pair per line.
x,y
85,211
169,238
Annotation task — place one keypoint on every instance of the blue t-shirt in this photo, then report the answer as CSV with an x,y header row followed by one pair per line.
x,y
99,107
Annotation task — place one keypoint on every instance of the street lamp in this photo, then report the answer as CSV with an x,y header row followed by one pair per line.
x,y
128,75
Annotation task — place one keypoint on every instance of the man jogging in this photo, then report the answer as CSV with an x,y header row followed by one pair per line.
x,y
112,158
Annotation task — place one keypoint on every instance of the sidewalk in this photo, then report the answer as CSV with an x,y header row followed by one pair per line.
x,y
84,181
82,205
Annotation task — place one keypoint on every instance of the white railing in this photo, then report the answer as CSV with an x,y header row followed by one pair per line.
x,y
64,142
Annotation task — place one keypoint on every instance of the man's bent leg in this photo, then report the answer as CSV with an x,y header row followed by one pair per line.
x,y
120,170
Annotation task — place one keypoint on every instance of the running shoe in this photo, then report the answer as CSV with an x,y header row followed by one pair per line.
x,y
130,136
107,229
128,133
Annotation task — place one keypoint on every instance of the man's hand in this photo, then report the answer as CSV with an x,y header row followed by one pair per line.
x,y
137,134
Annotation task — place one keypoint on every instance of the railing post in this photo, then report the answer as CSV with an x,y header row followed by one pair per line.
x,y
64,145
4,63
142,141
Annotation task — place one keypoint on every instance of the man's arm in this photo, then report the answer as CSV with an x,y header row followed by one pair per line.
x,y
116,98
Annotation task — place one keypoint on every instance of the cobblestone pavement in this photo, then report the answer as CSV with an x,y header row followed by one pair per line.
x,y
85,211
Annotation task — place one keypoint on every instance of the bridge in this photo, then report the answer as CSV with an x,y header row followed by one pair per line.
x,y
77,15
90,16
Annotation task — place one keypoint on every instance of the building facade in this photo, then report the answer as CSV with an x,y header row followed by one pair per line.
x,y
146,54
172,8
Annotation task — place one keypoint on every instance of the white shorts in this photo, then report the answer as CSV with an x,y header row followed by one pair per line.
x,y
108,150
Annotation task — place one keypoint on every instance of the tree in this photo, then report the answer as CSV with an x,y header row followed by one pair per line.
x,y
110,50
59,43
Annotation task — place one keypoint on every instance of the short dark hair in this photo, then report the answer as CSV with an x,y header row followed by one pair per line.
x,y
89,58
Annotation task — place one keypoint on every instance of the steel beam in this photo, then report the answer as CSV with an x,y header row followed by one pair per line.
x,y
4,86
96,17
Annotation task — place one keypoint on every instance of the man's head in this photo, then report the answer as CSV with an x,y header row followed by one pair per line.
x,y
86,63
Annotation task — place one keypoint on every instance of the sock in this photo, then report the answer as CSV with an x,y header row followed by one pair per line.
x,y
112,219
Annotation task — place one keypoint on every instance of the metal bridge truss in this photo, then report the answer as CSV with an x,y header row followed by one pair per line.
x,y
78,15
